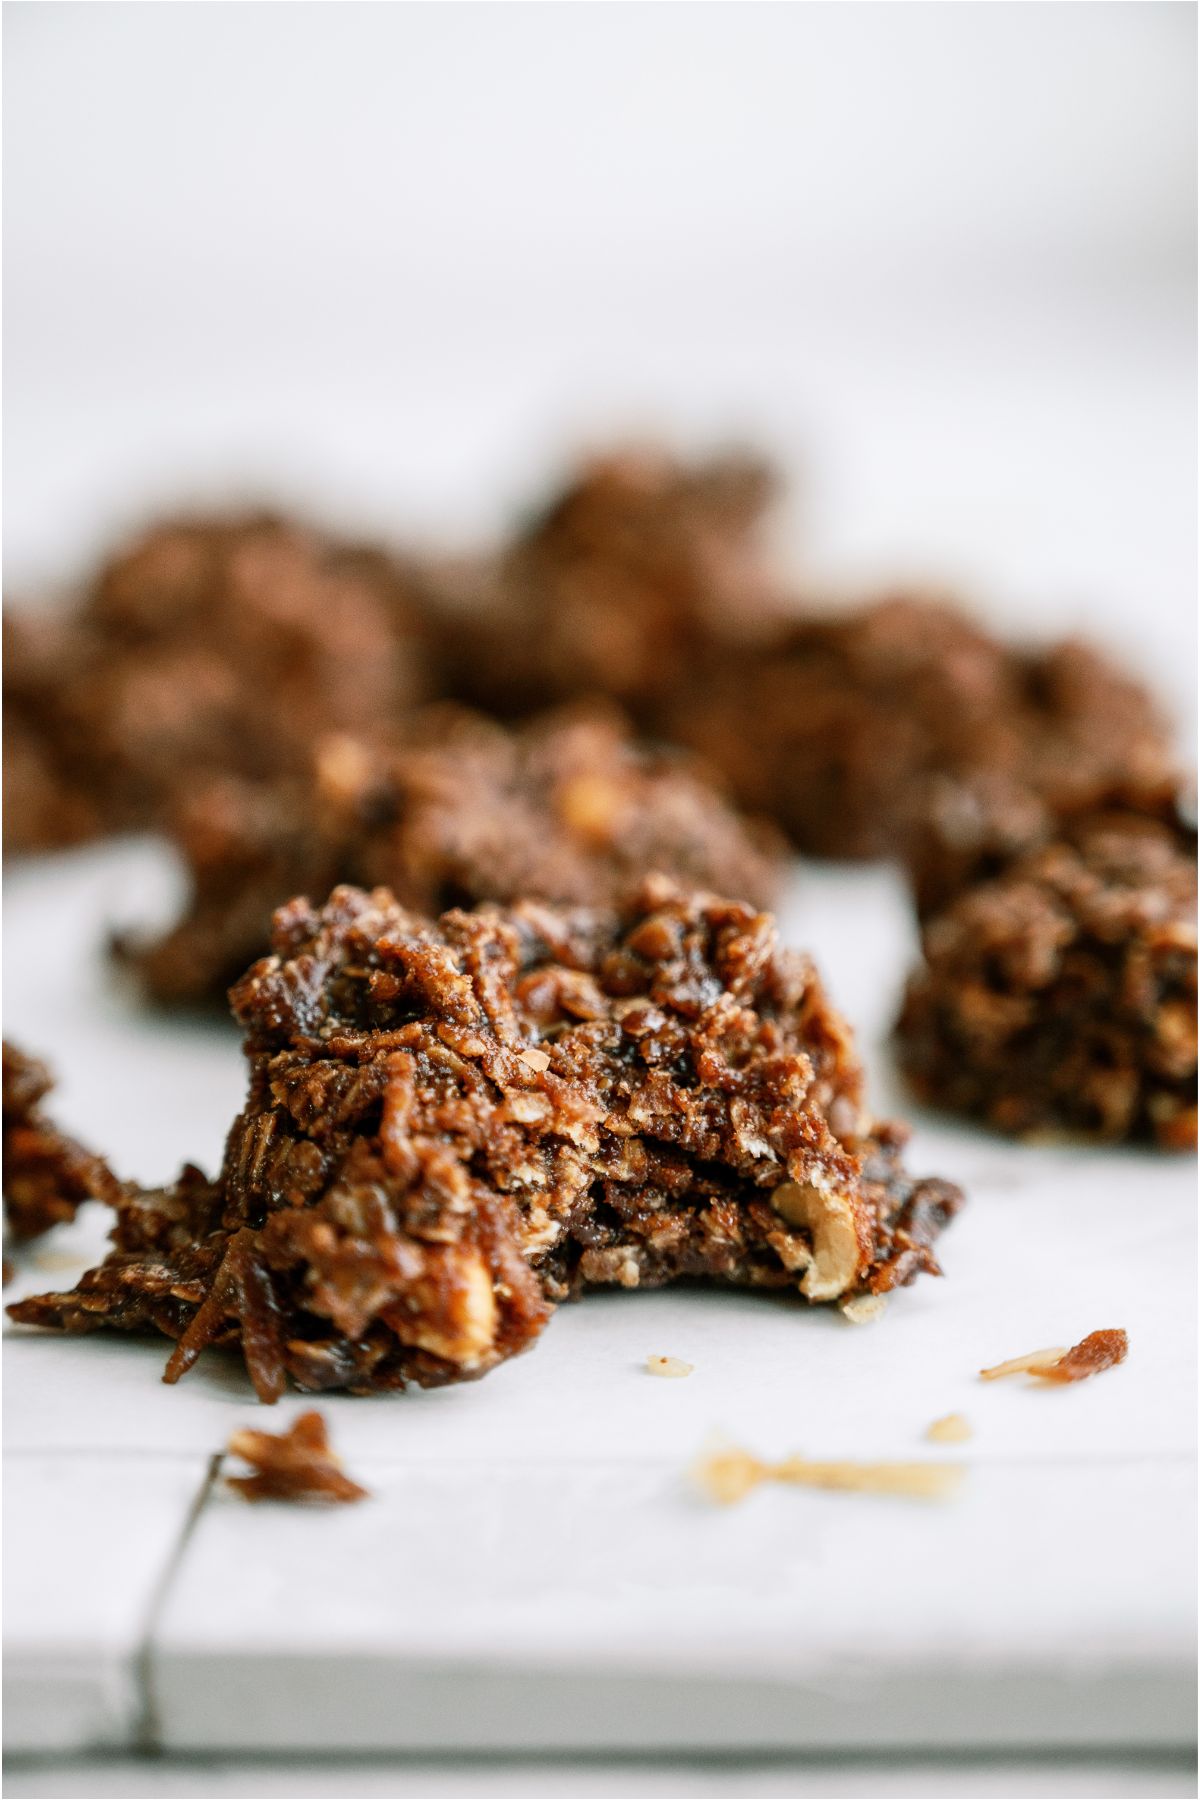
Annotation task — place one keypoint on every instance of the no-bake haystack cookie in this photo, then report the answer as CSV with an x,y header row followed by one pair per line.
x,y
830,726
1060,997
456,810
1082,739
641,565
211,646
453,1126
904,729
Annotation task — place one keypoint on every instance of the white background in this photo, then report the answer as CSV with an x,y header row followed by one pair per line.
x,y
395,262
396,259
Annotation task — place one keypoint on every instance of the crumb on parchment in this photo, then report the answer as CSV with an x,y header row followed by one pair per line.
x,y
864,1309
296,1465
1098,1351
728,1474
952,1429
1029,1364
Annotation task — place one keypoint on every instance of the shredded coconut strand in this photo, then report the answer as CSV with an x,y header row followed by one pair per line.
x,y
1033,1363
727,1475
1098,1351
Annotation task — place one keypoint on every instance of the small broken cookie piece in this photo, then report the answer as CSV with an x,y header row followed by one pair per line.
x,y
863,1309
455,809
296,1465
1098,1351
167,1248
47,1176
672,1367
1061,996
908,1213
454,1124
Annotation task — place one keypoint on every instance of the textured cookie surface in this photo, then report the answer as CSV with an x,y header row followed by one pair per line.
x,y
452,1126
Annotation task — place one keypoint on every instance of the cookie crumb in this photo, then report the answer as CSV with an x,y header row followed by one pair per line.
x,y
1098,1351
1032,1363
672,1366
296,1465
953,1429
538,1060
864,1309
729,1474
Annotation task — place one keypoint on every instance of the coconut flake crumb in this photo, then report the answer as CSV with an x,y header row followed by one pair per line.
x,y
1098,1351
536,1060
297,1464
953,1429
672,1366
1031,1364
729,1474
864,1309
